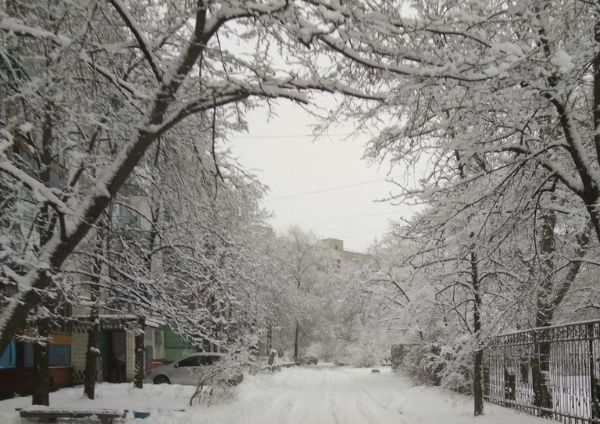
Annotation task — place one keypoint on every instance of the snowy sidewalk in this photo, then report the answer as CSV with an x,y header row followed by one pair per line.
x,y
311,395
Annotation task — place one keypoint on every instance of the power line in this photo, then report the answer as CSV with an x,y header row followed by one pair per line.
x,y
293,135
327,190
364,215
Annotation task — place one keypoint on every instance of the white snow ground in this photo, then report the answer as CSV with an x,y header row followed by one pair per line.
x,y
306,395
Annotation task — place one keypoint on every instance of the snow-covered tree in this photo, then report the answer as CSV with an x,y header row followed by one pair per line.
x,y
148,66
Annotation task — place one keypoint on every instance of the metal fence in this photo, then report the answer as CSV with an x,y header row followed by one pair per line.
x,y
550,371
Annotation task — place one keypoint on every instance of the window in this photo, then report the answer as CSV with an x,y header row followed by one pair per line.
x,y
8,359
192,361
159,338
60,355
25,355
209,360
148,354
149,336
125,215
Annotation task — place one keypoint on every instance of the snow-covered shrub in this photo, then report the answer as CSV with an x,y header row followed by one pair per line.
x,y
458,365
440,363
361,356
424,364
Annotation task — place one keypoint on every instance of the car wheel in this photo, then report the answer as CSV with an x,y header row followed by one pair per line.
x,y
161,379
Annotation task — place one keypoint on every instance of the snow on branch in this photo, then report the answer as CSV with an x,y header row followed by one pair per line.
x,y
15,26
551,166
143,43
249,9
115,80
41,192
447,71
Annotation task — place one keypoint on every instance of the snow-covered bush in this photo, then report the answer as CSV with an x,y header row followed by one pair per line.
x,y
440,363
424,364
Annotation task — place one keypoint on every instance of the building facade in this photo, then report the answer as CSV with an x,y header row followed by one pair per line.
x,y
344,257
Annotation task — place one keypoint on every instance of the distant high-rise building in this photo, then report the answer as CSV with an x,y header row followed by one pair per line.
x,y
345,257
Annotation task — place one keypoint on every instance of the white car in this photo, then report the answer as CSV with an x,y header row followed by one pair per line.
x,y
190,369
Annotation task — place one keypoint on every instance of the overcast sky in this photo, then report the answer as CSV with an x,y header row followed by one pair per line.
x,y
321,185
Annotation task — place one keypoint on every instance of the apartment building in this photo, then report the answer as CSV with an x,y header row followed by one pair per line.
x,y
344,257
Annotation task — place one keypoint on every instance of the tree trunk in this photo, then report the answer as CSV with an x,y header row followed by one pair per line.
x,y
41,359
540,367
93,353
91,359
272,354
138,379
41,365
296,337
139,354
478,383
45,228
596,103
594,386
269,338
478,359
545,293
540,364
592,207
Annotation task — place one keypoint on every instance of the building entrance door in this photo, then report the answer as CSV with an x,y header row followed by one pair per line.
x,y
116,368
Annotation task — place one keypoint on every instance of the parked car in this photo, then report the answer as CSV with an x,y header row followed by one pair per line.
x,y
191,368
307,360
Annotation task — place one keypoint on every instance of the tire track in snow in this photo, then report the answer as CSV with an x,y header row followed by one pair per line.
x,y
349,405
335,412
367,411
370,395
345,411
278,407
307,395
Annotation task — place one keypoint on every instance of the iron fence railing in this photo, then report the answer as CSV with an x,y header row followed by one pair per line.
x,y
549,371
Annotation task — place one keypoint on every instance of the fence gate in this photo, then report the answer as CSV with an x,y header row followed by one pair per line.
x,y
549,371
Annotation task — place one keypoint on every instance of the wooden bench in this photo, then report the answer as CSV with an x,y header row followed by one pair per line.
x,y
105,416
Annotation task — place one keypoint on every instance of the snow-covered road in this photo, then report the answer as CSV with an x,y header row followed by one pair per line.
x,y
326,395
340,395
300,395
